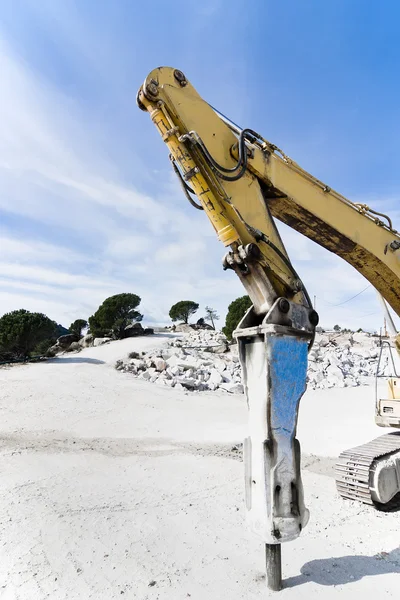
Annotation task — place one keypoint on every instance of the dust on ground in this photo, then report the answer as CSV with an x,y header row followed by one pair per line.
x,y
116,488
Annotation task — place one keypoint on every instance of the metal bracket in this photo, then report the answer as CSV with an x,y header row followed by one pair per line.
x,y
249,150
170,132
187,176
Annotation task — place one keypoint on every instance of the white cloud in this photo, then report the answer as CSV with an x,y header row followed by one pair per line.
x,y
15,250
112,233
129,247
75,229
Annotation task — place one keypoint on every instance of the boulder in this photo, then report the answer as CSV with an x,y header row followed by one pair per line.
x,y
148,331
335,373
86,341
201,324
175,370
215,377
313,355
65,341
139,363
173,361
160,364
318,377
190,362
132,330
189,383
361,337
75,347
184,328
232,388
220,349
220,365
101,341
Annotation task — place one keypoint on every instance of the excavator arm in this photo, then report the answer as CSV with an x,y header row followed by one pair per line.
x,y
242,182
364,238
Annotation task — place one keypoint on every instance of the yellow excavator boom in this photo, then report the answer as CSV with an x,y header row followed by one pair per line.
x,y
271,183
242,182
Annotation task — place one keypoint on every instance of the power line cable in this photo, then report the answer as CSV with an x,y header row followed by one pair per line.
x,y
349,299
377,312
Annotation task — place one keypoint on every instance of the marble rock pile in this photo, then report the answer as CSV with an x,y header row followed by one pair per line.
x,y
199,361
202,360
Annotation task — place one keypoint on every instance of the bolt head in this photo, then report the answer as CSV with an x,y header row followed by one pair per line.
x,y
152,89
284,305
180,77
395,245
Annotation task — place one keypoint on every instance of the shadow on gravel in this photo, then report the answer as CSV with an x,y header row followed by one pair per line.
x,y
346,569
75,359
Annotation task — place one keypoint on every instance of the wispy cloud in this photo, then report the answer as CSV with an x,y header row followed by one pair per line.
x,y
78,225
114,237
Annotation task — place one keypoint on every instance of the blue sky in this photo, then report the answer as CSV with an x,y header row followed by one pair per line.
x,y
89,206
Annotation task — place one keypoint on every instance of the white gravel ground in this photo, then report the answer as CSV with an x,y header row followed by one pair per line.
x,y
116,488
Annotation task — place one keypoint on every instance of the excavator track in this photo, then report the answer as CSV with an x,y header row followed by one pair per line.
x,y
354,467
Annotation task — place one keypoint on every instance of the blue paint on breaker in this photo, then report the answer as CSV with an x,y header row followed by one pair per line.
x,y
287,373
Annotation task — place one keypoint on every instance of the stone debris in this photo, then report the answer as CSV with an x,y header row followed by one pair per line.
x,y
198,361
202,360
347,365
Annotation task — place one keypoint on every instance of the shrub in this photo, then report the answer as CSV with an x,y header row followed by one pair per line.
x,y
114,315
236,311
21,331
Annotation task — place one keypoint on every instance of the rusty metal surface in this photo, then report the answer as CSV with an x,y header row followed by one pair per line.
x,y
378,273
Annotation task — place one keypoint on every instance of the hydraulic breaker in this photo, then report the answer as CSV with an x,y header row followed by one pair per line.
x,y
274,366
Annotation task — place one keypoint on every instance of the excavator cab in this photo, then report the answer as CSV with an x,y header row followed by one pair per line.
x,y
387,409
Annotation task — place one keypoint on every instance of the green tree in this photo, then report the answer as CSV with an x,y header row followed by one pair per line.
x,y
42,348
77,326
181,311
236,311
21,331
211,315
336,328
114,315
